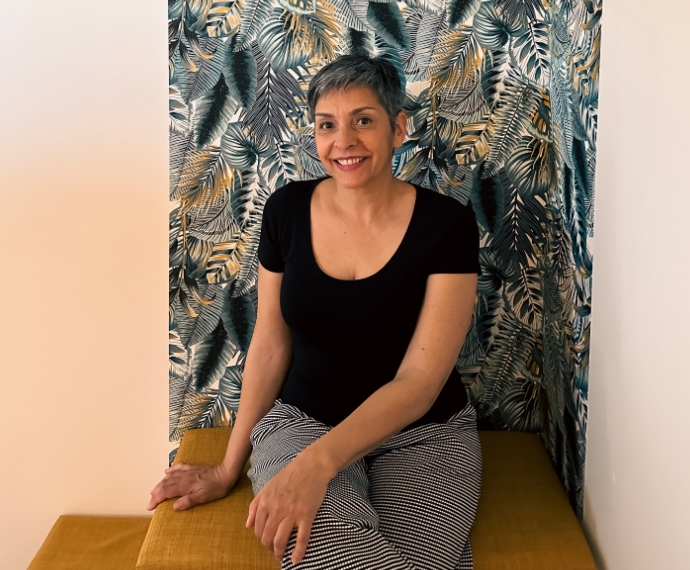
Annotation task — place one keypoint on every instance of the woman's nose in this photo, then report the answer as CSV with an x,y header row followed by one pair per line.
x,y
345,137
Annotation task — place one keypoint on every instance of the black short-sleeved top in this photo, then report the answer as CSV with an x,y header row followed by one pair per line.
x,y
350,336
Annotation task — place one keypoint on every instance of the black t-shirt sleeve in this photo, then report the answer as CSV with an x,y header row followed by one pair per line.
x,y
458,249
270,251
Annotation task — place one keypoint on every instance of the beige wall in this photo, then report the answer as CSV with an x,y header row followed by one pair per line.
x,y
83,263
637,489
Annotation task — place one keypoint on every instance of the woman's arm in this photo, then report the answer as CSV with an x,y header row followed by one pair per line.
x,y
438,338
267,362
268,359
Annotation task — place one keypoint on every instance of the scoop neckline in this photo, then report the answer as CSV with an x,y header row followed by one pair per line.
x,y
385,266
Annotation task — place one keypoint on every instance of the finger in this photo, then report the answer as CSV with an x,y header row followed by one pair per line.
x,y
158,496
269,532
251,518
303,532
260,521
180,467
283,533
189,500
167,490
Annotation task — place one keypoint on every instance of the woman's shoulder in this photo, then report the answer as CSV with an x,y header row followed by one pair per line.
x,y
290,192
443,208
285,202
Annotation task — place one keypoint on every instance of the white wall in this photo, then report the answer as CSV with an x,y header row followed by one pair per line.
x,y
83,263
637,488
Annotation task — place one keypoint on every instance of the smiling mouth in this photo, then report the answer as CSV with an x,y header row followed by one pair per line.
x,y
350,161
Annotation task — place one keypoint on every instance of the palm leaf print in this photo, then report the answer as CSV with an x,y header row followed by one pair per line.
x,y
501,98
388,22
460,10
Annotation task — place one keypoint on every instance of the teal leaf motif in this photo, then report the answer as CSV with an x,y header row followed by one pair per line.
x,y
230,387
255,15
511,119
359,43
524,294
213,224
177,355
489,297
239,148
242,196
279,166
195,84
251,233
219,22
456,181
276,95
521,10
523,407
459,11
210,357
424,33
521,228
240,72
561,40
487,201
307,160
299,6
178,112
492,28
214,111
180,148
389,24
502,367
174,9
194,330
533,52
352,14
391,54
532,167
205,175
277,44
495,73
562,112
238,317
177,390
465,103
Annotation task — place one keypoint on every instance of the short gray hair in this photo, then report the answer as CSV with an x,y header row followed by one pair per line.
x,y
359,71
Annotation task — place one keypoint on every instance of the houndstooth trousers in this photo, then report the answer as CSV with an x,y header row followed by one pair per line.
x,y
408,505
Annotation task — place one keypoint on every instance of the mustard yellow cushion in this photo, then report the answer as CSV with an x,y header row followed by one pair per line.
x,y
91,542
206,537
524,520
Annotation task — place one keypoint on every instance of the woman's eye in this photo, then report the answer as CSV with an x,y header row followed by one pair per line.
x,y
364,120
325,125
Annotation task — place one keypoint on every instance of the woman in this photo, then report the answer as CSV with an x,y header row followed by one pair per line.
x,y
365,451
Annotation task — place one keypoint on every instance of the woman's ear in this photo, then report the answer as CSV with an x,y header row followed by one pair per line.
x,y
400,129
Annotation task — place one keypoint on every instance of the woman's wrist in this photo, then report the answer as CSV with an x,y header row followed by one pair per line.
x,y
226,475
318,460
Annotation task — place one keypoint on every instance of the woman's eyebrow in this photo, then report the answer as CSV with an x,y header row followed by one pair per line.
x,y
353,112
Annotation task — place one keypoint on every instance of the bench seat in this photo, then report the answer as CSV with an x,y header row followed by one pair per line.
x,y
524,519
92,543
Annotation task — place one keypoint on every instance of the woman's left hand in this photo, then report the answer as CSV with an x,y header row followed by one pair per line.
x,y
289,500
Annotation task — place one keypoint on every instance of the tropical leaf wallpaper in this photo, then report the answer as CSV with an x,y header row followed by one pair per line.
x,y
502,112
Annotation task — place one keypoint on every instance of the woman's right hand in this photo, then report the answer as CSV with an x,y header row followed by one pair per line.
x,y
194,484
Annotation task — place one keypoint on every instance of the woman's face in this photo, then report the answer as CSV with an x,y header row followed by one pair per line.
x,y
354,138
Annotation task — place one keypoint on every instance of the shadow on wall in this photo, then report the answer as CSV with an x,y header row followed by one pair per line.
x,y
502,107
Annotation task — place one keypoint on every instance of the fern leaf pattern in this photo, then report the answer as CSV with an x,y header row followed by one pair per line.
x,y
501,98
